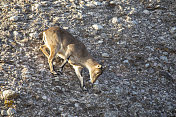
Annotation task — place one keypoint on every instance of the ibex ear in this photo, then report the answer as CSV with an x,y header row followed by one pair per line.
x,y
98,66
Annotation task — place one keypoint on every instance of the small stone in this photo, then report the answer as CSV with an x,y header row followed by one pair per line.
x,y
34,35
97,3
150,59
66,28
11,111
165,53
76,105
126,61
97,26
114,20
147,65
105,55
146,12
134,93
14,18
16,34
3,112
61,108
79,16
44,97
72,0
35,7
161,38
133,11
173,30
112,3
8,94
104,35
57,79
24,40
142,91
155,64
122,42
100,42
164,58
89,4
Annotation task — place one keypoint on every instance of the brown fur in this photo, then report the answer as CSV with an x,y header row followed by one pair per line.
x,y
73,51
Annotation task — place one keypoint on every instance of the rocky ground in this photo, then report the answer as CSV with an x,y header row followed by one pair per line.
x,y
134,40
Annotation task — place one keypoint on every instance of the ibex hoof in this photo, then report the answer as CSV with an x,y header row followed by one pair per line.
x,y
59,72
84,88
56,73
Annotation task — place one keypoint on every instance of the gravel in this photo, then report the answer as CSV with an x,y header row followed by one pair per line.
x,y
135,41
11,112
97,26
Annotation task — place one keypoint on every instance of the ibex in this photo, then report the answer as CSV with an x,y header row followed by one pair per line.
x,y
71,50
